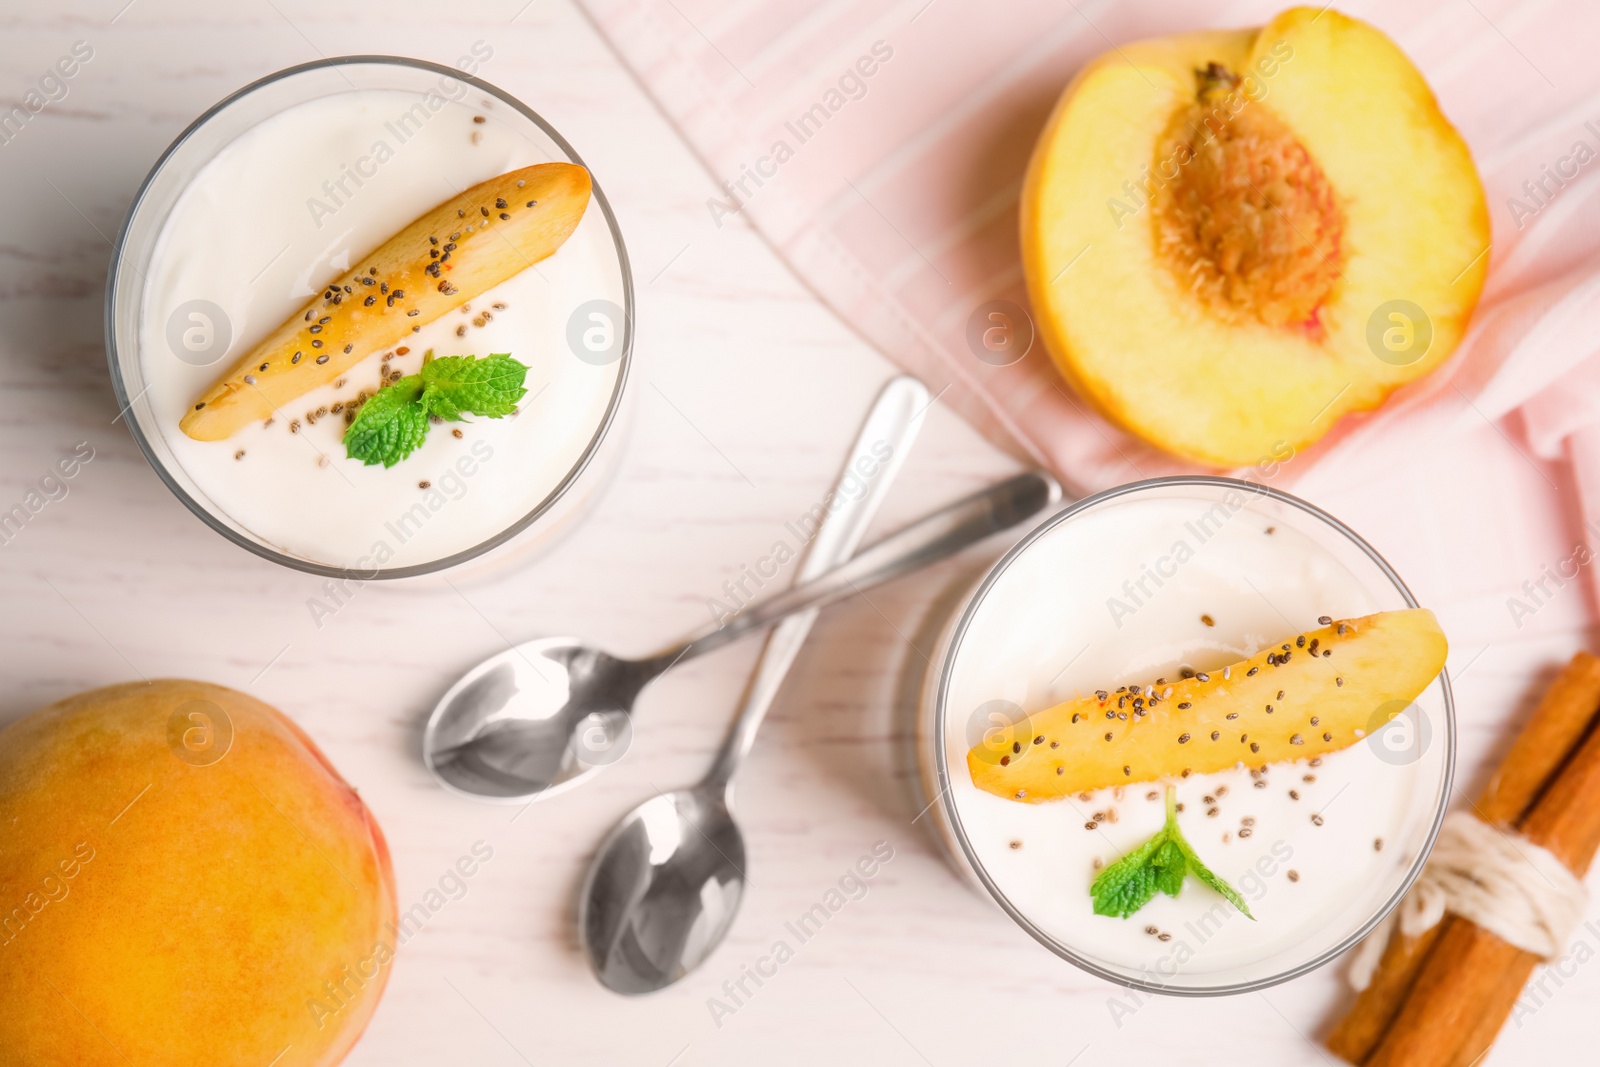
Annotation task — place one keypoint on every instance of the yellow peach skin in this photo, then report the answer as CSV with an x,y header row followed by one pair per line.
x,y
184,880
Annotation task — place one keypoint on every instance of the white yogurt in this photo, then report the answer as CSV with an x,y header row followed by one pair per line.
x,y
1061,621
289,205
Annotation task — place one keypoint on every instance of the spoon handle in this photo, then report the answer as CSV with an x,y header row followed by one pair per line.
x,y
942,534
879,452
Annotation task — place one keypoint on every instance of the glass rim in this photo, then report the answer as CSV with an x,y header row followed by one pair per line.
x,y
952,816
206,515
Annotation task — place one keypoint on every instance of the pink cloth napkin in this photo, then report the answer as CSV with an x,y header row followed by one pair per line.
x,y
880,148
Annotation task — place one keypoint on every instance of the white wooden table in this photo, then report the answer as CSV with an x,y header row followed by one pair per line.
x,y
746,392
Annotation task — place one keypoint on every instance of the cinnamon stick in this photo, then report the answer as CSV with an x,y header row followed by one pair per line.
x,y
1355,1035
1544,744
1566,823
1550,736
1461,992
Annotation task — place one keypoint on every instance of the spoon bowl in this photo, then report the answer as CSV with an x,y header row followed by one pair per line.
x,y
663,890
534,719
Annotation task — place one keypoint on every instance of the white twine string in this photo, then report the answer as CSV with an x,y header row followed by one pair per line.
x,y
1494,878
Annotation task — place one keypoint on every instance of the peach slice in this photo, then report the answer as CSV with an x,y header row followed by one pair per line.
x,y
1314,693
464,247
1233,239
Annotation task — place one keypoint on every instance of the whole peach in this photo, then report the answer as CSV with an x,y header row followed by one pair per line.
x,y
184,879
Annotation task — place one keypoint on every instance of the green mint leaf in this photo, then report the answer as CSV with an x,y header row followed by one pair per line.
x,y
1128,884
390,425
466,385
1171,866
1159,865
1205,874
1197,868
394,422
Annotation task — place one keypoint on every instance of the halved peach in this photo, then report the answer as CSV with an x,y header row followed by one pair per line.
x,y
1232,239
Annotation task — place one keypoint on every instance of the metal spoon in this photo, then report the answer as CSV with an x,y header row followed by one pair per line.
x,y
665,884
542,715
538,717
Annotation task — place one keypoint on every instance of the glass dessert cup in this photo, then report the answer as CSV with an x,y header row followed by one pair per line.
x,y
1142,581
538,493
